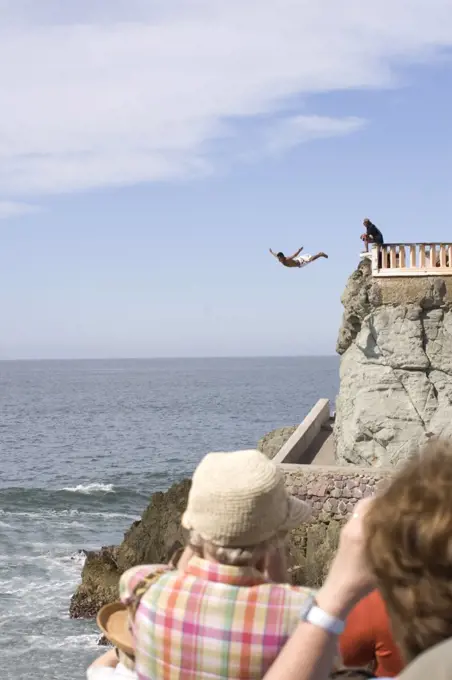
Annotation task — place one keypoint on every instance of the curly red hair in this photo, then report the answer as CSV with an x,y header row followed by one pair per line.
x,y
409,548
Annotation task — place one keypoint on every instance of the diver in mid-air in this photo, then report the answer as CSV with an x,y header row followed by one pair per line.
x,y
297,260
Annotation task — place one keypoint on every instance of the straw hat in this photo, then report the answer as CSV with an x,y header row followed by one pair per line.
x,y
239,499
113,620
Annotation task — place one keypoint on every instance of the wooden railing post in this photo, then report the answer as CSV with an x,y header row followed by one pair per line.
x,y
402,261
432,255
412,256
392,257
422,256
442,256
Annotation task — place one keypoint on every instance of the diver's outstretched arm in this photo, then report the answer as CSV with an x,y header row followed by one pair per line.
x,y
295,254
274,254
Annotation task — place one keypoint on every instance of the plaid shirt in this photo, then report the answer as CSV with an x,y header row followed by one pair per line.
x,y
210,621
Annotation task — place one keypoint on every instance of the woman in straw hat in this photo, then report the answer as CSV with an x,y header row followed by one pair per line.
x,y
228,609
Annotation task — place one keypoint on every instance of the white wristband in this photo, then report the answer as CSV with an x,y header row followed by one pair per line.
x,y
319,618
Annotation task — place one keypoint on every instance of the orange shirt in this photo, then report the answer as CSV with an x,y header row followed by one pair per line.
x,y
367,637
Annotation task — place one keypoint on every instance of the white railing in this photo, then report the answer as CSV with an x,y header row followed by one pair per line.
x,y
412,259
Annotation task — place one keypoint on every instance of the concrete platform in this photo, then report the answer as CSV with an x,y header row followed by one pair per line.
x,y
312,442
321,451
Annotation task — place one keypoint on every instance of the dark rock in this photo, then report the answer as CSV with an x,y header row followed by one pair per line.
x,y
311,548
99,583
150,540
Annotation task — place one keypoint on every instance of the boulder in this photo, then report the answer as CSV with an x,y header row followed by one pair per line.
x,y
99,583
274,440
159,533
396,368
153,539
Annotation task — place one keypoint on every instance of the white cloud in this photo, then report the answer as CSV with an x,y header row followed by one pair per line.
x,y
116,92
14,209
295,130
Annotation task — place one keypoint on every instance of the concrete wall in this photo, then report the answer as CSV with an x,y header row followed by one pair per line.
x,y
333,491
299,443
411,290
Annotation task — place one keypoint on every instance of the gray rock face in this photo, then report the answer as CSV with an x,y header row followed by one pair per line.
x,y
396,371
355,300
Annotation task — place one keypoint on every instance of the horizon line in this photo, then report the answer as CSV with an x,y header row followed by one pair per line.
x,y
173,358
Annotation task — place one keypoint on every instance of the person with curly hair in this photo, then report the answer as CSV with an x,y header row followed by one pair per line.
x,y
400,542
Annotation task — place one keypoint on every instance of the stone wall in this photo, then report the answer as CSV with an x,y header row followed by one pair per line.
x,y
333,491
413,290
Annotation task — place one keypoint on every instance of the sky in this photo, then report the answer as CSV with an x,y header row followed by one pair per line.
x,y
152,152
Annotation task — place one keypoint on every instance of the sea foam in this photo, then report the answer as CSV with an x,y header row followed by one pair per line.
x,y
95,487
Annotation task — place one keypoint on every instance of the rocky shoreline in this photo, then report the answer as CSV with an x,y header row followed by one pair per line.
x,y
331,492
152,539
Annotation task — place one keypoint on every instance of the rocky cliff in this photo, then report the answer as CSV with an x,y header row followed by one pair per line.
x,y
156,536
396,367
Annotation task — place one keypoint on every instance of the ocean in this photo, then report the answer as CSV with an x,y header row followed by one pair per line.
x,y
83,444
